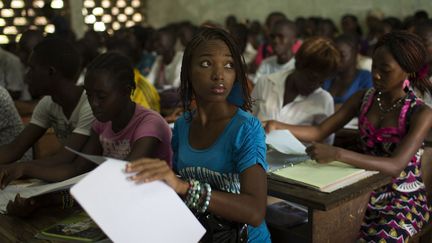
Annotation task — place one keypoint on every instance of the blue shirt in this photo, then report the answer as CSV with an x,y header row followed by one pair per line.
x,y
240,146
363,80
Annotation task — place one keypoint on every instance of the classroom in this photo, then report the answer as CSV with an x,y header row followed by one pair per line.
x,y
216,121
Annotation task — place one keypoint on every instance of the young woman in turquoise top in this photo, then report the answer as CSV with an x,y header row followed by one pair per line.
x,y
219,148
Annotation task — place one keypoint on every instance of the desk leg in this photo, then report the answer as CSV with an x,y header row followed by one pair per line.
x,y
340,224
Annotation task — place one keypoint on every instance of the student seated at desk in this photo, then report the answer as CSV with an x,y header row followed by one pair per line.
x,y
393,123
219,148
53,71
123,130
296,97
349,79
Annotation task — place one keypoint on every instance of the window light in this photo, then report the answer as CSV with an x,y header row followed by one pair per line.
x,y
49,28
17,4
121,3
106,18
130,24
57,4
2,22
98,11
40,20
116,25
115,11
4,39
105,4
20,21
18,38
1,4
38,4
122,18
31,12
129,11
10,30
135,3
137,17
7,13
90,19
99,26
89,4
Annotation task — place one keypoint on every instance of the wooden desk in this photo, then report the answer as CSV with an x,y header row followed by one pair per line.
x,y
13,229
333,217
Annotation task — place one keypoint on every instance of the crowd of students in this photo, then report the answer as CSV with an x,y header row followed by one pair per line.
x,y
225,87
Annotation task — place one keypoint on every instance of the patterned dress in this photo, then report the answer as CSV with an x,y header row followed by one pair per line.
x,y
398,210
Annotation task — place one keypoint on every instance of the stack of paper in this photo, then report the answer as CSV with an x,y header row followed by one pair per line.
x,y
323,177
285,142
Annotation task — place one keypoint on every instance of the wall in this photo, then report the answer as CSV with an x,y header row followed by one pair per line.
x,y
161,12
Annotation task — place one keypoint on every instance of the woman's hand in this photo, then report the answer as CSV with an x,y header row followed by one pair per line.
x,y
148,170
8,173
270,125
21,207
323,153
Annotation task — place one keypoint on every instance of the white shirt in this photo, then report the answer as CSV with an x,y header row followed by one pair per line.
x,y
171,72
48,114
268,95
270,65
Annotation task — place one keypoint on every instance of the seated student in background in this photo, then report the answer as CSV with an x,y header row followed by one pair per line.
x,y
145,94
53,71
296,97
393,123
349,79
10,121
219,148
165,72
123,130
282,39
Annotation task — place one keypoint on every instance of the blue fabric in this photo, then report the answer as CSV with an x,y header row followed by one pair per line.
x,y
363,80
240,146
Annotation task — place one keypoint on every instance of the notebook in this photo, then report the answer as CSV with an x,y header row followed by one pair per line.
x,y
322,177
77,228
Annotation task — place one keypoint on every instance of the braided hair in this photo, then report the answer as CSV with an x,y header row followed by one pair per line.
x,y
410,53
205,34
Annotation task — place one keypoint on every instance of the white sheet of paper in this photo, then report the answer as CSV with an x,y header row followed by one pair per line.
x,y
94,158
129,212
285,142
27,191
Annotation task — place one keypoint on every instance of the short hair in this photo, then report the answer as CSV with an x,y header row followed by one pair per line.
x,y
60,54
116,66
319,55
410,53
205,34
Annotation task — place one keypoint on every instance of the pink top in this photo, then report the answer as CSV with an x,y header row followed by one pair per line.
x,y
144,123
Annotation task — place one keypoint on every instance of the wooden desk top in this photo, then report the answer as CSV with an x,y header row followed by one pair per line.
x,y
320,200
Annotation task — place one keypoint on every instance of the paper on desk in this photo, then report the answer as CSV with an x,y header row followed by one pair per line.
x,y
285,142
26,190
94,158
127,212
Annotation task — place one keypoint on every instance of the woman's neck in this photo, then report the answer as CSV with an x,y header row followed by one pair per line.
x,y
210,112
390,97
123,119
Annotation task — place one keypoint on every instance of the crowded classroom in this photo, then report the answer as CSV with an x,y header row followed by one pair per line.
x,y
290,122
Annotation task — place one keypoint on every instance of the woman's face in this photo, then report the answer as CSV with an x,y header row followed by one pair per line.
x,y
212,71
105,98
387,74
348,55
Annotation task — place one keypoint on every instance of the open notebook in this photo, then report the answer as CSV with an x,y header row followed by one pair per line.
x,y
322,177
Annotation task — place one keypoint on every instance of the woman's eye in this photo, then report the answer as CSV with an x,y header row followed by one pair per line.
x,y
229,65
205,64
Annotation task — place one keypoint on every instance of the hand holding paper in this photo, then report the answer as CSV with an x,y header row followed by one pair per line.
x,y
285,142
130,212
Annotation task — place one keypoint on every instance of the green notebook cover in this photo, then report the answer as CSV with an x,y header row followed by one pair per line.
x,y
322,177
78,228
